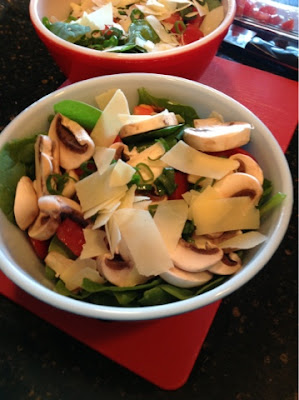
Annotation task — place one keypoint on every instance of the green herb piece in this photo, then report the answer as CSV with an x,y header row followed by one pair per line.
x,y
84,114
152,209
273,202
178,293
61,248
188,230
155,296
212,4
151,136
55,183
140,28
136,14
146,169
188,113
165,183
66,31
211,285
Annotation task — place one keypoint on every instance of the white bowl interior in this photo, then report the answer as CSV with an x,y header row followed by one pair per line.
x,y
17,259
61,9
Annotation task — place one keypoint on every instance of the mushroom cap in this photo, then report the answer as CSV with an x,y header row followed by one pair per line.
x,y
218,137
180,278
44,227
74,143
239,184
192,259
228,265
43,163
249,166
56,205
25,205
120,272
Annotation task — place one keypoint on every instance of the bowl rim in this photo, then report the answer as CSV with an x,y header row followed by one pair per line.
x,y
83,51
22,279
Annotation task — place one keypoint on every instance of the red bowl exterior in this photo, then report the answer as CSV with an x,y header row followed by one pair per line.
x,y
77,66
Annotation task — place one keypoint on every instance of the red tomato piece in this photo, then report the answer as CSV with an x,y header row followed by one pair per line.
x,y
143,109
288,25
71,234
271,10
172,20
40,247
248,8
182,185
191,34
261,16
197,21
275,19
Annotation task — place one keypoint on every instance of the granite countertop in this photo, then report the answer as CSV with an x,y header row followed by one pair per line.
x,y
250,352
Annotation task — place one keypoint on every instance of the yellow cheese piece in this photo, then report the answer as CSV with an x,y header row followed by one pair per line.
x,y
103,99
107,126
244,241
170,218
212,20
113,234
95,189
221,215
143,240
102,219
186,159
99,18
74,275
94,244
103,157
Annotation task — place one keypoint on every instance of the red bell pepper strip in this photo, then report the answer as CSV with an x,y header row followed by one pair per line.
x,y
40,247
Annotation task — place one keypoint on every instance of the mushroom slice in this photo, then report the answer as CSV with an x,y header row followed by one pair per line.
x,y
55,206
44,227
239,184
177,277
70,187
121,151
120,272
192,259
156,121
75,144
43,163
206,122
220,137
25,205
249,166
229,264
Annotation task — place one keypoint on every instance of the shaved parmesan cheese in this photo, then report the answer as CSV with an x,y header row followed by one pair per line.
x,y
103,157
95,189
186,159
74,275
128,200
223,215
144,241
107,206
244,241
103,218
107,126
131,119
58,262
94,244
103,99
212,20
170,218
122,174
113,235
148,45
99,18
160,31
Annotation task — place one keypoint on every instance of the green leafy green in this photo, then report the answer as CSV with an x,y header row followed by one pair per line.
x,y
16,160
67,31
213,4
165,183
187,112
140,28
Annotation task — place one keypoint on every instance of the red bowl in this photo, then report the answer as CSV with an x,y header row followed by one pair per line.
x,y
78,63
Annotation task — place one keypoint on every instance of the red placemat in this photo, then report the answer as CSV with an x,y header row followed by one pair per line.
x,y
149,348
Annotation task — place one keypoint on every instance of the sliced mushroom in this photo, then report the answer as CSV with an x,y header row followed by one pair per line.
x,y
177,277
43,163
157,121
44,227
121,151
249,166
220,137
70,187
74,143
229,264
25,205
192,259
206,122
239,184
55,206
120,272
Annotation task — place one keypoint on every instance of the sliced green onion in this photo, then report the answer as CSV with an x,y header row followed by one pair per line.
x,y
179,27
147,169
273,202
136,14
164,144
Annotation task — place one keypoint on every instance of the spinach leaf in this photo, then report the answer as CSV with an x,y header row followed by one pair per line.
x,y
140,28
16,160
187,112
66,31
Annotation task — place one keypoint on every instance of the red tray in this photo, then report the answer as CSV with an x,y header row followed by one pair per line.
x,y
149,348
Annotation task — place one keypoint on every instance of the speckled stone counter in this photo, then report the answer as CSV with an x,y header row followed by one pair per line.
x,y
250,352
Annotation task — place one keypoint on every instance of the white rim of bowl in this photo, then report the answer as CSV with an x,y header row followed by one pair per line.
x,y
37,290
228,19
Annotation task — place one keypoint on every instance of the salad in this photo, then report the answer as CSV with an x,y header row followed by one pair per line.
x,y
136,209
137,26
